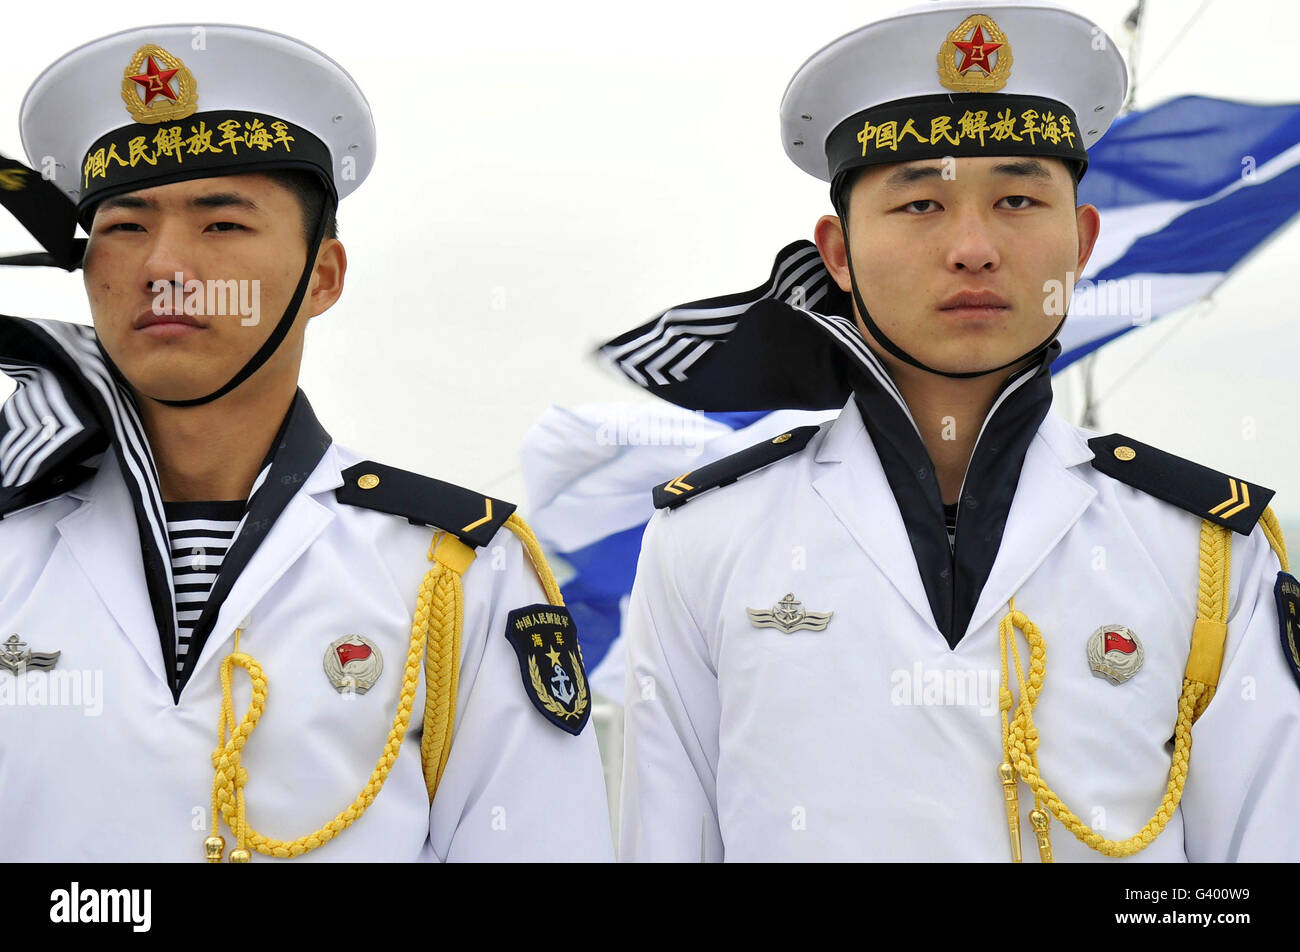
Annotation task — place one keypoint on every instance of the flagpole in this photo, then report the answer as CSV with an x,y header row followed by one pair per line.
x,y
1133,27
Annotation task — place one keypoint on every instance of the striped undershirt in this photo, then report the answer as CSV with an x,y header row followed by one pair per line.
x,y
950,522
199,533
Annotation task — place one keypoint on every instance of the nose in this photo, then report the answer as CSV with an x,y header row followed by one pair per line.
x,y
972,246
169,261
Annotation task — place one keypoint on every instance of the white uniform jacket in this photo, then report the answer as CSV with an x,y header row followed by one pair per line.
x,y
873,739
98,760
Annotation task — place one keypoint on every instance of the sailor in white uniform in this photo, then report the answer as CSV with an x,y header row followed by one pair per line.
x,y
224,634
948,625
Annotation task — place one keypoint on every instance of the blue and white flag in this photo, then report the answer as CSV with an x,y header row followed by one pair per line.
x,y
1187,190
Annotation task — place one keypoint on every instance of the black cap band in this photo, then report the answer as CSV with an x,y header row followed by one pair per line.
x,y
955,124
205,144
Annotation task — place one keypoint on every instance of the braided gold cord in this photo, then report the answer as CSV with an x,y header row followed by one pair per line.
x,y
1211,599
520,528
1212,587
438,603
447,621
435,635
1020,737
442,661
1273,532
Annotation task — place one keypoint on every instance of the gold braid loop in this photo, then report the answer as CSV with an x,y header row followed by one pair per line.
x,y
435,635
1020,736
1273,532
438,606
446,620
538,558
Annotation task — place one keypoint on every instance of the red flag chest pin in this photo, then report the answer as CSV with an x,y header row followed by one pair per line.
x,y
353,664
1115,653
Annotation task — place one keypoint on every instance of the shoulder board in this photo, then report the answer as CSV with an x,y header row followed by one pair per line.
x,y
1223,499
469,516
727,470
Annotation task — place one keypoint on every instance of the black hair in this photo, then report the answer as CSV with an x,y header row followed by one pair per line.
x,y
1075,168
312,198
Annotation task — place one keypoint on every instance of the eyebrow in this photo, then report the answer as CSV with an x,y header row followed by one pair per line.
x,y
215,200
1027,168
901,178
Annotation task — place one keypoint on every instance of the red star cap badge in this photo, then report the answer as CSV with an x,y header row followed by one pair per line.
x,y
156,82
976,51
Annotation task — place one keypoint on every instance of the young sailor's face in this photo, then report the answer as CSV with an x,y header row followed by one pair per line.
x,y
924,233
186,281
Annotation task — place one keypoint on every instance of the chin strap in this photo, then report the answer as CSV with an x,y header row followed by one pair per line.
x,y
883,340
271,343
52,219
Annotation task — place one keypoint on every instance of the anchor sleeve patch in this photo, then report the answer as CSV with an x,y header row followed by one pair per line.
x,y
545,640
1287,593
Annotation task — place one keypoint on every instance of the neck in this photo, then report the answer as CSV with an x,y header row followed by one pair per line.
x,y
214,451
949,413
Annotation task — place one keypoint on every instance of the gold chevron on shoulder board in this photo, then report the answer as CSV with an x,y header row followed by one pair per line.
x,y
788,615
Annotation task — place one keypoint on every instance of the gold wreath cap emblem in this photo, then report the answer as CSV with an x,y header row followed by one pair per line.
x,y
976,57
158,87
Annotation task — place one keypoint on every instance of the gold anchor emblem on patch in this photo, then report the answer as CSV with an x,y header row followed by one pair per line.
x,y
788,615
976,57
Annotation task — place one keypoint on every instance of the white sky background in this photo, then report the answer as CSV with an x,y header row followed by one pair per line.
x,y
551,174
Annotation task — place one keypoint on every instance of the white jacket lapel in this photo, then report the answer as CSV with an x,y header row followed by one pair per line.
x,y
853,484
1050,498
296,528
103,538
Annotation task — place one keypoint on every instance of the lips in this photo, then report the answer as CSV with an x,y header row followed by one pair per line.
x,y
151,318
974,299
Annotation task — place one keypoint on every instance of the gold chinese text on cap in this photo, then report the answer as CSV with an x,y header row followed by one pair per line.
x,y
157,87
976,57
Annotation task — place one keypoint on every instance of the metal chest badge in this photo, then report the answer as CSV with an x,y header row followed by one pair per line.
x,y
353,664
545,640
788,615
15,657
1114,653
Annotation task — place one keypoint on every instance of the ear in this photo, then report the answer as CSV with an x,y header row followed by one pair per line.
x,y
327,278
829,236
1088,221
